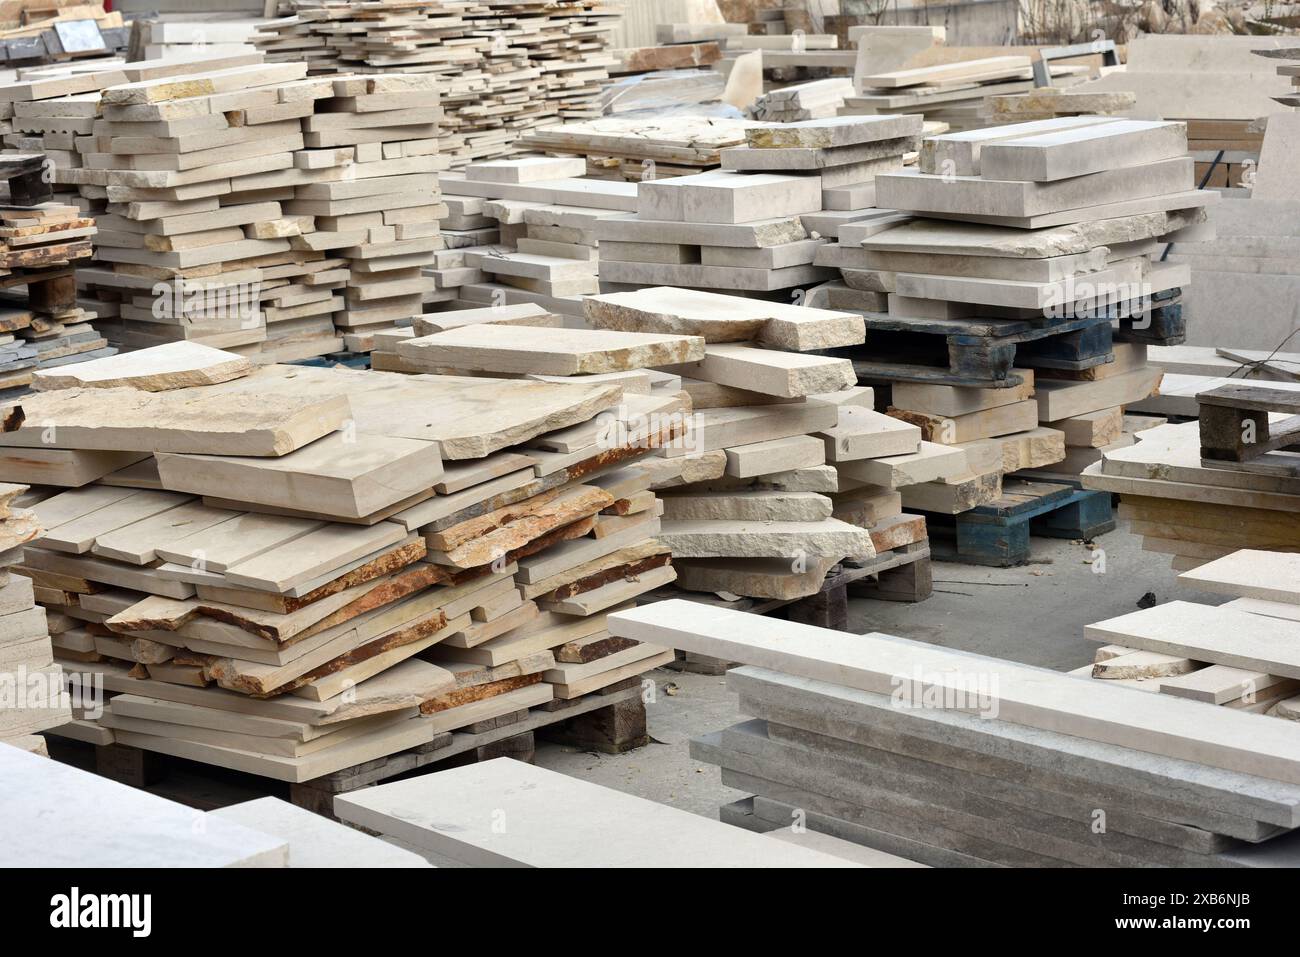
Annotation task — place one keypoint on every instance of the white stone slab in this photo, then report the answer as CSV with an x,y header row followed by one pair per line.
x,y
313,840
505,813
56,815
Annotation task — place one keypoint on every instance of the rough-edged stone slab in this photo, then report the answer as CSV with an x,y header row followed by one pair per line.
x,y
176,365
491,348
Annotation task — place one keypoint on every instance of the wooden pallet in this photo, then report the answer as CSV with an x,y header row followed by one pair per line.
x,y
979,353
611,720
1236,432
998,533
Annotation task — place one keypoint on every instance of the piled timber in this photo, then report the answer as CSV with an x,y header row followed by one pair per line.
x,y
957,759
279,570
441,815
501,67
991,314
807,473
34,684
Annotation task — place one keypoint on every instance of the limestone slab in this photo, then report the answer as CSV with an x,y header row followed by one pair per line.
x,y
551,351
452,813
176,365
1160,724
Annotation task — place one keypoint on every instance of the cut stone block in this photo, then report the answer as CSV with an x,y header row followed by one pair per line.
x,y
725,197
776,455
828,538
867,434
313,840
1061,154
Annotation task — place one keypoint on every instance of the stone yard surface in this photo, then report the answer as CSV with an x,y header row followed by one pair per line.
x,y
1034,614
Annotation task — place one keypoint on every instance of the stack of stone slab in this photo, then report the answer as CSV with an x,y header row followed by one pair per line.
x,y
1192,511
194,240
958,759
1234,655
52,106
952,93
741,229
501,66
34,682
815,100
809,472
659,146
1002,341
374,205
256,209
43,326
281,571
542,217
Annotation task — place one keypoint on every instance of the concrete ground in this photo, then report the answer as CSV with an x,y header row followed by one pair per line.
x,y
1033,614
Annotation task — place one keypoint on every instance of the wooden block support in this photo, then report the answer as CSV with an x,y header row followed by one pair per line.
x,y
612,730
911,582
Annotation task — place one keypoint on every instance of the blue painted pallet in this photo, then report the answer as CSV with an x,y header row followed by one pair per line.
x,y
353,360
998,533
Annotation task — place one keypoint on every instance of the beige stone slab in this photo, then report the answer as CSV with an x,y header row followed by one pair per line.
x,y
343,475
260,423
833,132
1062,399
175,365
755,506
554,351
1208,633
929,463
828,538
771,372
138,542
612,594
723,318
959,400
235,540
728,428
1219,684
1250,573
520,314
867,434
775,455
314,554
477,416
79,534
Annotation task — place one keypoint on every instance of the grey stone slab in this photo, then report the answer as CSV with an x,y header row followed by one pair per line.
x,y
768,812
1238,805
749,748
